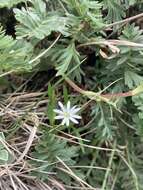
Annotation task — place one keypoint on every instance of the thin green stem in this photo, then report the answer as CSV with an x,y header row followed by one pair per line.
x,y
108,168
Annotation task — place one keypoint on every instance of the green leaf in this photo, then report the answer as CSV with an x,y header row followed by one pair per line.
x,y
65,94
5,40
2,138
14,54
133,33
49,148
4,155
88,10
132,79
65,59
36,22
51,104
68,58
115,10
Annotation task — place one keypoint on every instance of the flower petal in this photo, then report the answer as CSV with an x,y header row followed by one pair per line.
x,y
67,113
63,122
61,106
76,116
75,110
68,105
73,107
58,111
74,120
67,121
59,117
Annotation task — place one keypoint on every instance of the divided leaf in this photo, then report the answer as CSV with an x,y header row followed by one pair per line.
x,y
36,22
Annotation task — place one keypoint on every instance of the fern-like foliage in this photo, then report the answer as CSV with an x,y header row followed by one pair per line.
x,y
5,41
115,9
88,10
48,149
128,63
131,58
59,33
14,55
36,22
104,122
65,59
138,102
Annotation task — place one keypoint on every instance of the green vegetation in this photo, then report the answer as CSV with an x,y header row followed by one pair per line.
x,y
83,54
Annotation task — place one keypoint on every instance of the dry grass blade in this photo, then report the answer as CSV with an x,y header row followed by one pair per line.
x,y
70,172
30,140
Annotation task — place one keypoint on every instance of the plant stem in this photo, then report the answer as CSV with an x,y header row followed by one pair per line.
x,y
109,168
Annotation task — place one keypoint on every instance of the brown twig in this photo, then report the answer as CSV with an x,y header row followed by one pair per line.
x,y
125,20
109,96
112,43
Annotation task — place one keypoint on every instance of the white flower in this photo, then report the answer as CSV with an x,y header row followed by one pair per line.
x,y
67,113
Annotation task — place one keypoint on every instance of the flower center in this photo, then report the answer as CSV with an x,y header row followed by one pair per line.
x,y
66,114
